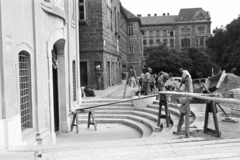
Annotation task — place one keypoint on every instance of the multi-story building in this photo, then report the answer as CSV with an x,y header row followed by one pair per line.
x,y
190,28
39,80
106,42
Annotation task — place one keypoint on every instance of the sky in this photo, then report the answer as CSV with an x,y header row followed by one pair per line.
x,y
222,11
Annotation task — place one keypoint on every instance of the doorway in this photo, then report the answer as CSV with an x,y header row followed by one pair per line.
x,y
84,73
109,74
55,90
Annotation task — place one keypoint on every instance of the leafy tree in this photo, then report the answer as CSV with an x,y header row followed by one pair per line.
x,y
196,61
224,46
163,59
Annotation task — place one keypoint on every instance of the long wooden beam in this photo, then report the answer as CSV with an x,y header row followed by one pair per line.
x,y
203,96
121,101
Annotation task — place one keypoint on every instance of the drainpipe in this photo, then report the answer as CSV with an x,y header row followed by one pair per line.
x,y
35,62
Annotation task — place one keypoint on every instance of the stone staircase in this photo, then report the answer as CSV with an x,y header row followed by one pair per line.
x,y
142,119
152,146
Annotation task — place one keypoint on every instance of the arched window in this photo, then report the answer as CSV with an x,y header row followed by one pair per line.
x,y
74,81
25,90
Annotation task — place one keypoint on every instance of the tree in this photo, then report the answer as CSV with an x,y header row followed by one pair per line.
x,y
224,46
196,61
163,59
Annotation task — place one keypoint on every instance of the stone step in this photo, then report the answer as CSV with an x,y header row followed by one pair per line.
x,y
144,149
149,116
146,121
144,128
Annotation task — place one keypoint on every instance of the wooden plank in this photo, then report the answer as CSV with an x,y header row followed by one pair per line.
x,y
203,96
111,103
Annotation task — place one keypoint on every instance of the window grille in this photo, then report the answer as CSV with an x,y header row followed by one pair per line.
x,y
74,81
25,91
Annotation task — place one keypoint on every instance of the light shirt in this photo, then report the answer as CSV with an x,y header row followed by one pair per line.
x,y
185,73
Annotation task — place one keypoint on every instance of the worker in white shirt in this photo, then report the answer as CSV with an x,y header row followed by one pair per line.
x,y
186,80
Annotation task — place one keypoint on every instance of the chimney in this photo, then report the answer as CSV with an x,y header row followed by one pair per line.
x,y
168,14
164,14
149,15
155,14
139,15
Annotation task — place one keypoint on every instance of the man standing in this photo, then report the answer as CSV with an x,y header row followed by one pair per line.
x,y
186,80
146,81
132,77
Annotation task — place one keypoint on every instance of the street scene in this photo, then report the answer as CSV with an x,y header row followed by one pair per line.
x,y
119,80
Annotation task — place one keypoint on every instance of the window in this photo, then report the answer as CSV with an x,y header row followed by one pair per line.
x,y
185,42
197,42
165,42
151,33
130,30
109,13
74,81
164,33
201,30
158,41
157,33
25,90
151,42
171,33
144,42
82,10
115,15
201,41
131,50
171,42
185,32
73,11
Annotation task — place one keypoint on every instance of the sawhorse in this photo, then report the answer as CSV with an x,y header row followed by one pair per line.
x,y
91,119
210,108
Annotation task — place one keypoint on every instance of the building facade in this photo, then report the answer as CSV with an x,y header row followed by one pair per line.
x,y
104,42
39,73
190,28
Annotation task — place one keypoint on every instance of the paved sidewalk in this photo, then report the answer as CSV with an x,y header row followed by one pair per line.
x,y
114,92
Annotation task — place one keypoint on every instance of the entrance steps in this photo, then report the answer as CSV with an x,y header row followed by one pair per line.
x,y
142,119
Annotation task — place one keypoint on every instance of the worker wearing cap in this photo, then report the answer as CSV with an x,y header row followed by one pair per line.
x,y
162,79
187,80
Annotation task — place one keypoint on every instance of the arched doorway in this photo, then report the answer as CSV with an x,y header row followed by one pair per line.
x,y
55,89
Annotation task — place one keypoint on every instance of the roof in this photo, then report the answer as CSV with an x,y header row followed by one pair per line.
x,y
129,14
188,13
158,19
